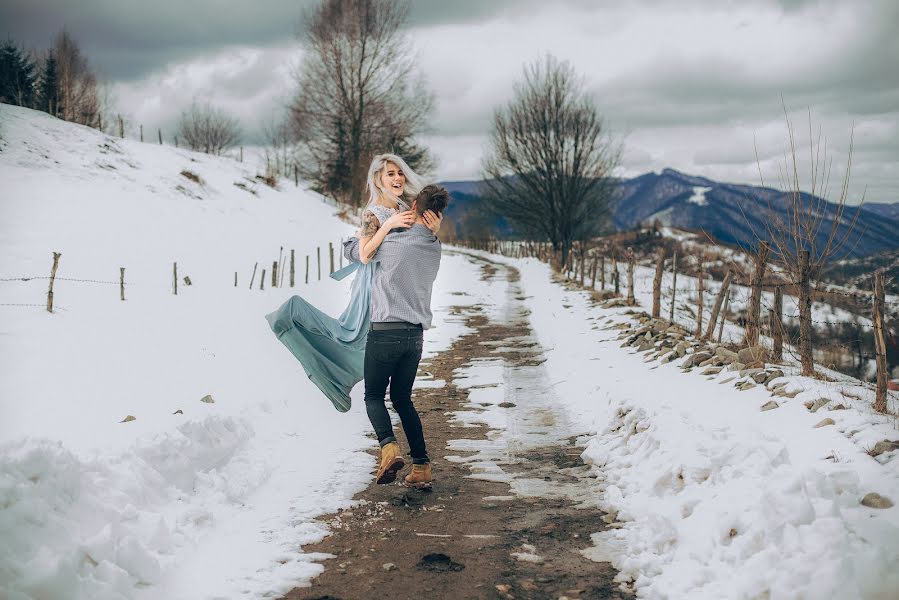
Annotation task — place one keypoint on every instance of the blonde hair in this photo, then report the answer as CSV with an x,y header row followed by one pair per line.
x,y
376,189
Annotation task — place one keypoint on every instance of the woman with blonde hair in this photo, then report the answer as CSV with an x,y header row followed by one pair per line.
x,y
332,351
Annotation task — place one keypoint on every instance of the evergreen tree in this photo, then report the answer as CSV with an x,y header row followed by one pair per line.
x,y
48,89
17,76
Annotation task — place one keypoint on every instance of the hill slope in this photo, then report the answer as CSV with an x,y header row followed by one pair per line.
x,y
94,507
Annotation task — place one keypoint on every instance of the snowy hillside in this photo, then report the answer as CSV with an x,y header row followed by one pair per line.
x,y
92,507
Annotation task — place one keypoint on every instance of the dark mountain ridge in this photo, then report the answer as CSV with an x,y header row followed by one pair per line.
x,y
732,213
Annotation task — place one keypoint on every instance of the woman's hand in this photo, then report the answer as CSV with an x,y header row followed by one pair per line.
x,y
432,221
403,219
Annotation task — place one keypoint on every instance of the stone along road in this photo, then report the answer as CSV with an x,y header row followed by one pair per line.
x,y
512,506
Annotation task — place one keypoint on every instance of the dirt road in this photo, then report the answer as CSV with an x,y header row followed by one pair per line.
x,y
512,505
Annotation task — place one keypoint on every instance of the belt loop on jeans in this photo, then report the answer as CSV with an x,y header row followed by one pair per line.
x,y
388,325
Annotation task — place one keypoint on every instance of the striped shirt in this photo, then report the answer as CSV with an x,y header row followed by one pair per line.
x,y
407,265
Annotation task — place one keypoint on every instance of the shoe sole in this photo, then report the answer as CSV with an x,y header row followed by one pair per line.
x,y
418,486
389,474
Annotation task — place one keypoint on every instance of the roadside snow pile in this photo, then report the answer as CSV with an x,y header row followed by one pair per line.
x,y
90,528
715,497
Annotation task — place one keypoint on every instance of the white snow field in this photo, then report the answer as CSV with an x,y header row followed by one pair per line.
x,y
716,498
212,502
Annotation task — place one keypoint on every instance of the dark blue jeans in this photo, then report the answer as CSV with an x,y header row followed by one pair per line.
x,y
392,357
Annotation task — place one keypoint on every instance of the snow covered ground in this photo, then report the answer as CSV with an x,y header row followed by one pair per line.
x,y
716,498
212,501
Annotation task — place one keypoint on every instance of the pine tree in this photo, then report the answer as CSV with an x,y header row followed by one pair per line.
x,y
17,76
48,89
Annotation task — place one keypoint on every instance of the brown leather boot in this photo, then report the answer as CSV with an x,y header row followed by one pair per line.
x,y
419,478
391,462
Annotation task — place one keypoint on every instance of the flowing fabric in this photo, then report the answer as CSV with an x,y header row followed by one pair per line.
x,y
332,351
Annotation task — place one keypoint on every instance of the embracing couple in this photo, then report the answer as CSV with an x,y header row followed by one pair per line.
x,y
378,338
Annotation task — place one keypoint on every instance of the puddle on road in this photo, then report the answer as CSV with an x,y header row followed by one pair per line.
x,y
530,442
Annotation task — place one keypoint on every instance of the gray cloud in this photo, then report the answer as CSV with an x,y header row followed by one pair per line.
x,y
127,40
691,82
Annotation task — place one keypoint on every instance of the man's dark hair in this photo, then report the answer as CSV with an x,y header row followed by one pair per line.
x,y
431,197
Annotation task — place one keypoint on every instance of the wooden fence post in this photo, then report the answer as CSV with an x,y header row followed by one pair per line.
x,y
331,254
318,252
141,132
175,278
593,275
880,346
751,336
616,276
280,266
710,332
159,133
805,316
296,175
724,316
602,273
700,284
262,280
631,259
122,283
274,273
307,268
55,266
291,267
673,286
777,327
583,267
253,278
657,284
235,278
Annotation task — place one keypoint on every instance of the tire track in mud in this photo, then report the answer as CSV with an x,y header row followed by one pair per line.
x,y
513,505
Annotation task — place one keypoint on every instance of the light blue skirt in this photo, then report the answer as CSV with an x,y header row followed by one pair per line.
x,y
332,351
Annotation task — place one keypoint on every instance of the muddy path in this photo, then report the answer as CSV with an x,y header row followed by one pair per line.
x,y
512,506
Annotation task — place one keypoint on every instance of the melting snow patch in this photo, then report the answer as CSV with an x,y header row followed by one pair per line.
x,y
529,554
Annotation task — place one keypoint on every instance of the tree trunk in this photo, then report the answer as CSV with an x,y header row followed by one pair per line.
x,y
880,346
805,316
710,332
673,286
777,327
631,259
751,337
657,285
700,283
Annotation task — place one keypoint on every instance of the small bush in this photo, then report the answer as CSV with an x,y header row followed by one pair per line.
x,y
192,176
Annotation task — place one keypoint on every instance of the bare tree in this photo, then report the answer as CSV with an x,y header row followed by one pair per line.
x,y
78,99
358,94
208,129
805,229
279,151
551,159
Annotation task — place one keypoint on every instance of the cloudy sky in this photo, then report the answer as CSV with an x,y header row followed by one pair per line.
x,y
691,84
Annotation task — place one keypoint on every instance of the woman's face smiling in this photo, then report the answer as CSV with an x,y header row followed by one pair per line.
x,y
393,179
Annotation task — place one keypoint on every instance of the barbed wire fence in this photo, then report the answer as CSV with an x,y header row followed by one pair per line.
x,y
286,263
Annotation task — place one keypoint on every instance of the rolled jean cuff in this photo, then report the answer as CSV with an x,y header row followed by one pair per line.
x,y
421,461
387,440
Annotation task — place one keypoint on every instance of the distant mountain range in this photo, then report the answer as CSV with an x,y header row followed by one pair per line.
x,y
732,213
